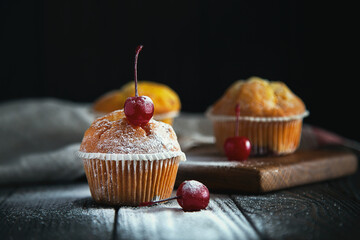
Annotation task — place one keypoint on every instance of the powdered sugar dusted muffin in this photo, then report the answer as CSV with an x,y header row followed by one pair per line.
x,y
127,164
270,116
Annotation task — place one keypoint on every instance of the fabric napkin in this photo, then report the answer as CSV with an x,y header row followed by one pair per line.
x,y
38,139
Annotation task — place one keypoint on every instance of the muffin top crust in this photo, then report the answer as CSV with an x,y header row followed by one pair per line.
x,y
113,134
259,98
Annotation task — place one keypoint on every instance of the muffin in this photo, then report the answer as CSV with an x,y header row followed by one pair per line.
x,y
271,116
166,101
127,164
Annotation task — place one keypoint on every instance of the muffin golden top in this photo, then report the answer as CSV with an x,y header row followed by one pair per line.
x,y
259,98
165,99
114,134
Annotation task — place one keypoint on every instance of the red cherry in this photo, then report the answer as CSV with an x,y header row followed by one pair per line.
x,y
237,148
139,109
191,196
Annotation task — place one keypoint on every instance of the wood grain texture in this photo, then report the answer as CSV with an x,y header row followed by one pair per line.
x,y
54,212
316,211
328,210
264,174
221,220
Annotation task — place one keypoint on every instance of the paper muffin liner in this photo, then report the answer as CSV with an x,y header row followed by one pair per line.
x,y
130,179
268,135
134,157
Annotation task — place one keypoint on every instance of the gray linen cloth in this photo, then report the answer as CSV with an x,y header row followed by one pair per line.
x,y
39,138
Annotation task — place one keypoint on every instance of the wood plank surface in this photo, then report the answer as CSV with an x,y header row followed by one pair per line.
x,y
328,210
221,220
316,211
264,174
54,212
68,212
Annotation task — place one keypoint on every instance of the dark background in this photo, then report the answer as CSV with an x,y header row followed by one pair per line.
x,y
78,50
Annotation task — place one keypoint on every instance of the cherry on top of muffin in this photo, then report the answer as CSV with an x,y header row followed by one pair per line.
x,y
138,109
259,98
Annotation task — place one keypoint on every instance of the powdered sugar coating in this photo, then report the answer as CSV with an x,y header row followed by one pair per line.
x,y
192,187
114,134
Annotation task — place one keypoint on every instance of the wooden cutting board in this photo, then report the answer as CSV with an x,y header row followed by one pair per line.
x,y
264,174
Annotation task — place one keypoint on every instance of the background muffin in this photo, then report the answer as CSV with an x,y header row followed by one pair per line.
x,y
166,101
270,115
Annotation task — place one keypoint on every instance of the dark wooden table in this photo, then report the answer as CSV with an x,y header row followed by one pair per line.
x,y
326,210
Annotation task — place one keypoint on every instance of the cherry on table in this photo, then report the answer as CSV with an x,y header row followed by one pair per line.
x,y
237,148
139,109
191,195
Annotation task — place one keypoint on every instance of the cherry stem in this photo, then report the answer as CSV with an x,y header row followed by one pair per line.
x,y
145,204
237,110
138,49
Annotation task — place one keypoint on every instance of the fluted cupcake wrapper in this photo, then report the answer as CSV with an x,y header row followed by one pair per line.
x,y
130,182
267,135
135,157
